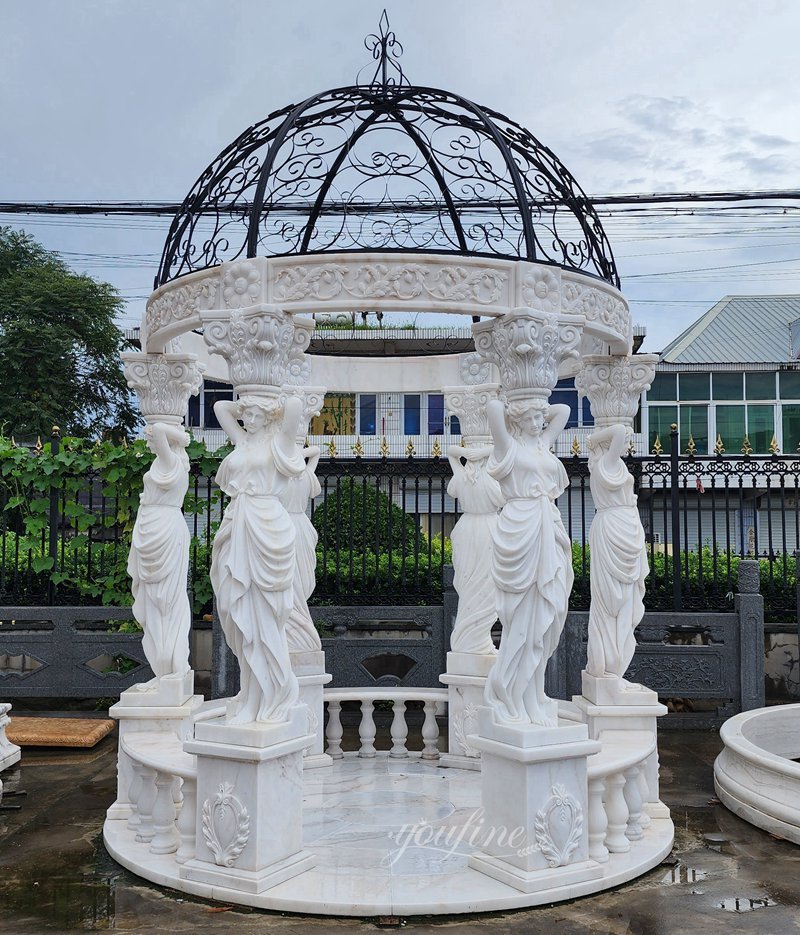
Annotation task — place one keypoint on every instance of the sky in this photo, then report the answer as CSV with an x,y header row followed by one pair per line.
x,y
106,100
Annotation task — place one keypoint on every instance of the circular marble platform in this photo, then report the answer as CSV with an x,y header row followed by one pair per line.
x,y
391,837
755,776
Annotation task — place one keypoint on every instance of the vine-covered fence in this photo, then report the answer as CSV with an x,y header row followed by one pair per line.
x,y
67,509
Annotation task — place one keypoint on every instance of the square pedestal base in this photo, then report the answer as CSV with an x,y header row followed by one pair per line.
x,y
534,794
466,681
159,693
613,691
247,881
309,667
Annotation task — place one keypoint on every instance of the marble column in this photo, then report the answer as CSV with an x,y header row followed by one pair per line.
x,y
618,557
472,653
159,560
305,646
250,760
534,769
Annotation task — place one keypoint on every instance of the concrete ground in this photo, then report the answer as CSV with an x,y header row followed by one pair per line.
x,y
723,876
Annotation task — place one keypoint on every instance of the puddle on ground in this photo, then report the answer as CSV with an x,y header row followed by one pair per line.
x,y
83,902
681,873
745,903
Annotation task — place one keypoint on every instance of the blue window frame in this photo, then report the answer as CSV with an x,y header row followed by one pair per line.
x,y
411,414
436,414
367,413
565,394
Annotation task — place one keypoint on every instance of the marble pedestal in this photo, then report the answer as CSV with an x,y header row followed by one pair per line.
x,y
620,708
249,803
142,711
534,794
465,679
9,752
309,667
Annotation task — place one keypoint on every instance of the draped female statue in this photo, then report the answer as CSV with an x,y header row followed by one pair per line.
x,y
618,557
532,564
253,558
479,499
301,633
159,556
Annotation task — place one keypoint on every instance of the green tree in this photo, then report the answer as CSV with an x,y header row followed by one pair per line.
x,y
59,346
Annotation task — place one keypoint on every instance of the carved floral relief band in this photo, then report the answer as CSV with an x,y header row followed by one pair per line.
x,y
163,383
377,282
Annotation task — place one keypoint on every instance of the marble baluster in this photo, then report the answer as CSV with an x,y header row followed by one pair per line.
x,y
399,730
165,834
334,730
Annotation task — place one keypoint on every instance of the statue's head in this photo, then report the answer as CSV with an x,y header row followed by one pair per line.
x,y
528,415
258,413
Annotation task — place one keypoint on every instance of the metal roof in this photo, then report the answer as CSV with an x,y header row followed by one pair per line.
x,y
738,329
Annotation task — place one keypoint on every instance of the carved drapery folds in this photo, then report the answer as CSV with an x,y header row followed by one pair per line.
x,y
614,386
262,345
528,346
163,383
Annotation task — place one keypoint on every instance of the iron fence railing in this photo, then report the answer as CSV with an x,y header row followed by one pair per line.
x,y
384,526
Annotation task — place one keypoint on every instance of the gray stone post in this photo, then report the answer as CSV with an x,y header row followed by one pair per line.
x,y
749,606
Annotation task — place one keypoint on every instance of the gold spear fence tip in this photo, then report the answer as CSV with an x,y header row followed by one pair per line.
x,y
576,446
384,449
332,448
436,451
719,447
631,449
410,451
747,448
691,448
773,446
38,447
358,448
658,449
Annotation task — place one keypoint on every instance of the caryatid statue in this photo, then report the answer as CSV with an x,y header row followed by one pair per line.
x,y
618,553
301,633
479,498
253,558
532,555
158,562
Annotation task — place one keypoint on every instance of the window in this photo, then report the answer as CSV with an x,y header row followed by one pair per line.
x,y
694,386
759,386
366,413
661,420
214,391
663,387
789,381
436,414
731,427
411,420
760,427
565,394
455,425
337,416
586,412
727,386
694,424
791,428
193,415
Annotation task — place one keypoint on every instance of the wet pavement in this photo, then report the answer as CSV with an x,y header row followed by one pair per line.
x,y
55,876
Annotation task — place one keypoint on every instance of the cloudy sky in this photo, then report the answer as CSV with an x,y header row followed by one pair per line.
x,y
130,99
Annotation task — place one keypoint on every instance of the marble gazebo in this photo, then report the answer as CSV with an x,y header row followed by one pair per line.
x,y
389,197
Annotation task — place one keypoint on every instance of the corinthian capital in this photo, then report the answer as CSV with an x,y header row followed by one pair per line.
x,y
263,345
163,383
528,347
312,398
468,403
614,385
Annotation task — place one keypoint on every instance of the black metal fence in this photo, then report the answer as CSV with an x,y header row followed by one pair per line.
x,y
384,527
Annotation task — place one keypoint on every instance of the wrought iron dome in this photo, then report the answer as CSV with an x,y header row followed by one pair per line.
x,y
384,166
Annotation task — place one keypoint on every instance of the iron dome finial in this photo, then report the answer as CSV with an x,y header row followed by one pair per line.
x,y
386,51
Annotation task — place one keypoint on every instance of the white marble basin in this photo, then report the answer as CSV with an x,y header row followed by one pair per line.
x,y
755,776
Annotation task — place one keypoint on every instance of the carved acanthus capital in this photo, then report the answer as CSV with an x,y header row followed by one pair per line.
x,y
468,403
312,398
528,346
163,383
263,345
614,385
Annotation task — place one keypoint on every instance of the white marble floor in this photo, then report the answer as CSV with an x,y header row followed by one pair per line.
x,y
391,837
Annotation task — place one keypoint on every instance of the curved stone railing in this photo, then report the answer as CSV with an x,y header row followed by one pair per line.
x,y
431,698
618,792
